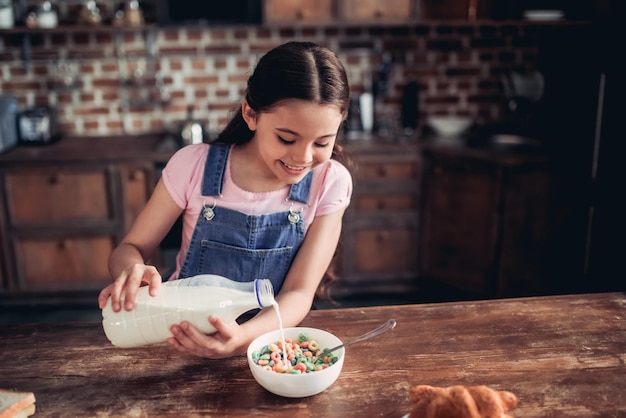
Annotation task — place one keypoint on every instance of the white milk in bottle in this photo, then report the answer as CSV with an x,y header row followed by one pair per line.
x,y
193,299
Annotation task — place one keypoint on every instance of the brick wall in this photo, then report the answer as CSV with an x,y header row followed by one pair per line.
x,y
108,83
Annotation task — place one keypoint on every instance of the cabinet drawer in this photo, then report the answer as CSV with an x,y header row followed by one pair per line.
x,y
375,10
452,9
46,197
378,202
294,11
401,170
384,251
64,263
137,185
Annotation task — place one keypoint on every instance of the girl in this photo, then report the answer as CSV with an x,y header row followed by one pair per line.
x,y
265,200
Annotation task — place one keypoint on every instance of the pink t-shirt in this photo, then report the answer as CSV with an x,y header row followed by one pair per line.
x,y
331,189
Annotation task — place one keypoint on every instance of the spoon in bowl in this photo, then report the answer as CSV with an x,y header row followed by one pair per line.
x,y
387,326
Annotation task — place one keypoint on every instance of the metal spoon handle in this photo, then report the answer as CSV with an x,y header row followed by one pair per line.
x,y
389,325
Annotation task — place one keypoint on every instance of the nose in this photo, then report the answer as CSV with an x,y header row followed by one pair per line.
x,y
303,154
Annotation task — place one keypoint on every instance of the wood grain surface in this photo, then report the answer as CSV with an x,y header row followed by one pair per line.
x,y
563,356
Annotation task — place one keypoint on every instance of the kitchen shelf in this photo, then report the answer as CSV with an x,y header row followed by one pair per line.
x,y
68,29
71,29
25,33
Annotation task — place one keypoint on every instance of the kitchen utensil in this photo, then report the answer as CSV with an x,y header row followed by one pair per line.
x,y
7,17
47,15
38,125
366,106
410,107
192,131
387,326
133,15
523,91
90,13
8,125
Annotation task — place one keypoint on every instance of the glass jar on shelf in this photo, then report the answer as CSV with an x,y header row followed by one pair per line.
x,y
7,16
47,15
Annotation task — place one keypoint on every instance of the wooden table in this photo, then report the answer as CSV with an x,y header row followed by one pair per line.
x,y
562,356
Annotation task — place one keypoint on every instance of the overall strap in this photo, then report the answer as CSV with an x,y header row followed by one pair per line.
x,y
300,191
214,169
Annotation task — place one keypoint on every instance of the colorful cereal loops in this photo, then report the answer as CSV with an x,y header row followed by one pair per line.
x,y
303,356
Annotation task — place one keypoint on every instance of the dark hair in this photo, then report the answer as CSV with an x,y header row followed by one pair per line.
x,y
294,70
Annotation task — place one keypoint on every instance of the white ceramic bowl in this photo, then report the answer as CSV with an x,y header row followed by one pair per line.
x,y
449,126
297,385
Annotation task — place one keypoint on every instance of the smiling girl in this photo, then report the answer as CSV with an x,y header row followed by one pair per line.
x,y
263,201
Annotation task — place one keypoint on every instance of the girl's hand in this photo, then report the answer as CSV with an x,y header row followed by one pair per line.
x,y
126,285
226,342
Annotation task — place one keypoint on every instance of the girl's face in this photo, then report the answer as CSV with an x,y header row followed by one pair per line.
x,y
293,137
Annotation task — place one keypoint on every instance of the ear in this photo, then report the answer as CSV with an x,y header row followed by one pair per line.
x,y
249,115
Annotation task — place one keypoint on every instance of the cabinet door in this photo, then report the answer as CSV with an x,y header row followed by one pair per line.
x,y
3,284
137,181
527,237
76,262
378,252
378,255
459,223
63,223
451,9
47,197
385,184
375,10
381,252
387,170
295,11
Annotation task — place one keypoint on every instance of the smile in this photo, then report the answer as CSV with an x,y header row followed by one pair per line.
x,y
293,167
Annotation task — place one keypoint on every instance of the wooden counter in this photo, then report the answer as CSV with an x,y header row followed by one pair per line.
x,y
562,356
72,149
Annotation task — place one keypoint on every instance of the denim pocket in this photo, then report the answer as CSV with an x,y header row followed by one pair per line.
x,y
243,264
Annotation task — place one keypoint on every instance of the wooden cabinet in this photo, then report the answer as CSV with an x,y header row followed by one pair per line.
x,y
376,10
66,206
333,11
60,223
378,244
298,11
484,221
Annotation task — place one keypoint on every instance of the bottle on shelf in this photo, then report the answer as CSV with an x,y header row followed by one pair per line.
x,y
7,17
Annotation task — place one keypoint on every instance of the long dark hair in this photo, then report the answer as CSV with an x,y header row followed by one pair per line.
x,y
295,70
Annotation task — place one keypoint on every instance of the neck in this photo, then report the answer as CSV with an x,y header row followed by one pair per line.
x,y
250,173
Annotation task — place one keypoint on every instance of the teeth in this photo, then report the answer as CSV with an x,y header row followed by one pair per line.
x,y
293,168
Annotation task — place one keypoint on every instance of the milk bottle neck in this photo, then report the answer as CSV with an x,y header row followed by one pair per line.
x,y
262,289
264,292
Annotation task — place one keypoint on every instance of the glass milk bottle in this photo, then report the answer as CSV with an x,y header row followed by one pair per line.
x,y
192,299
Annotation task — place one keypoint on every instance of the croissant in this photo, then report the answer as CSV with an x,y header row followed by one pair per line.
x,y
460,402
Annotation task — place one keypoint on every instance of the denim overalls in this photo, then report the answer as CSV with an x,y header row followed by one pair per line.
x,y
238,246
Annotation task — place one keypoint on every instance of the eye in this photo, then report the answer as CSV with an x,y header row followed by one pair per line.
x,y
317,144
285,141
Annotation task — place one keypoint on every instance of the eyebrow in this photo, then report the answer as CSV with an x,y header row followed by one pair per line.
x,y
289,131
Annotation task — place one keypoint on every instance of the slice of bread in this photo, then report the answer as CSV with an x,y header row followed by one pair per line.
x,y
16,404
26,412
